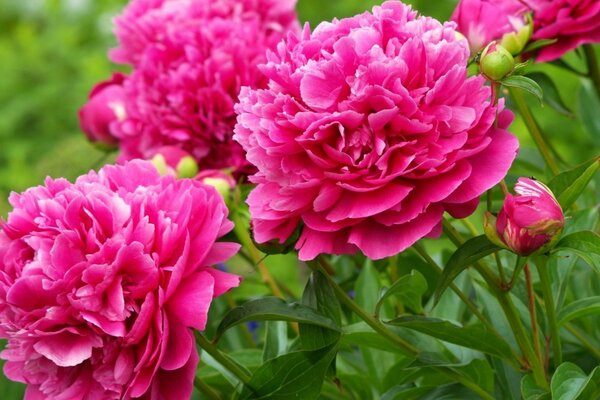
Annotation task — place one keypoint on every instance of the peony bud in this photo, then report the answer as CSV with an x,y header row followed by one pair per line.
x,y
531,221
496,62
171,160
221,181
516,40
104,109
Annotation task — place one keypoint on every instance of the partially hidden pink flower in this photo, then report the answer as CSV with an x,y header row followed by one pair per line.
x,y
530,221
571,22
99,117
483,21
103,280
190,58
370,129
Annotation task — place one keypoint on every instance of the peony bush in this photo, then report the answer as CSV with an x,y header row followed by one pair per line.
x,y
318,213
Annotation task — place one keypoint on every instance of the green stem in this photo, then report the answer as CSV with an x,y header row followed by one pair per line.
x,y
534,130
545,281
508,307
223,359
592,65
322,266
532,312
205,389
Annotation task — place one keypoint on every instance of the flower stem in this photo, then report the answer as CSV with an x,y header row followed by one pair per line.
x,y
532,312
205,389
592,65
223,359
322,266
509,310
534,130
544,273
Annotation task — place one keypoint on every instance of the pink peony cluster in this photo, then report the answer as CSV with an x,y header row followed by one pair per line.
x,y
531,220
102,281
190,58
370,129
572,22
483,21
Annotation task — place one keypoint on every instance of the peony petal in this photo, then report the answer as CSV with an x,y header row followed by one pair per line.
x,y
67,349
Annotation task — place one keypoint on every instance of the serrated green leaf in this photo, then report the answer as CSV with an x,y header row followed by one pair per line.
x,y
472,337
273,309
524,83
409,288
551,94
319,295
471,251
578,309
294,375
585,244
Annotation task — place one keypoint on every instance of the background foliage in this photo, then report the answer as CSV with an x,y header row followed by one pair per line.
x,y
53,51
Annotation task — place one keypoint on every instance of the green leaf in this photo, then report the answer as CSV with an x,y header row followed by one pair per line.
x,y
406,392
361,334
525,83
473,337
585,244
588,105
294,375
568,186
471,251
409,288
275,339
578,309
538,44
319,295
569,382
531,391
551,94
273,309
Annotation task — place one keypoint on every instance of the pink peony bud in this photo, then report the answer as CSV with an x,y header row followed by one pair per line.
x,y
218,179
496,62
104,109
532,220
482,21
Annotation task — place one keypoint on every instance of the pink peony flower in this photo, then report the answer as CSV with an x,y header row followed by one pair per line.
x,y
572,22
102,281
370,129
531,220
190,58
105,108
483,21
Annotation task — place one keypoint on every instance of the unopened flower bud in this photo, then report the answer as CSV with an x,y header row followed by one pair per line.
x,y
531,221
171,160
516,40
221,181
99,117
187,167
496,62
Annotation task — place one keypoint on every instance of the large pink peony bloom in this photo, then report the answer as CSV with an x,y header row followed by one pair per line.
x,y
102,281
572,22
190,59
369,131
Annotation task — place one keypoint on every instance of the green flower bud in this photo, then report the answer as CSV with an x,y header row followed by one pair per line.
x,y
187,167
496,62
160,164
516,41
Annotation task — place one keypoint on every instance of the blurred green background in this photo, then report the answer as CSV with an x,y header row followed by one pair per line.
x,y
53,51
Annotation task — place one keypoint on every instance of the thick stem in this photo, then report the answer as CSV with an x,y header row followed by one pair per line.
x,y
388,334
532,312
592,65
509,310
545,281
534,130
223,359
205,389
